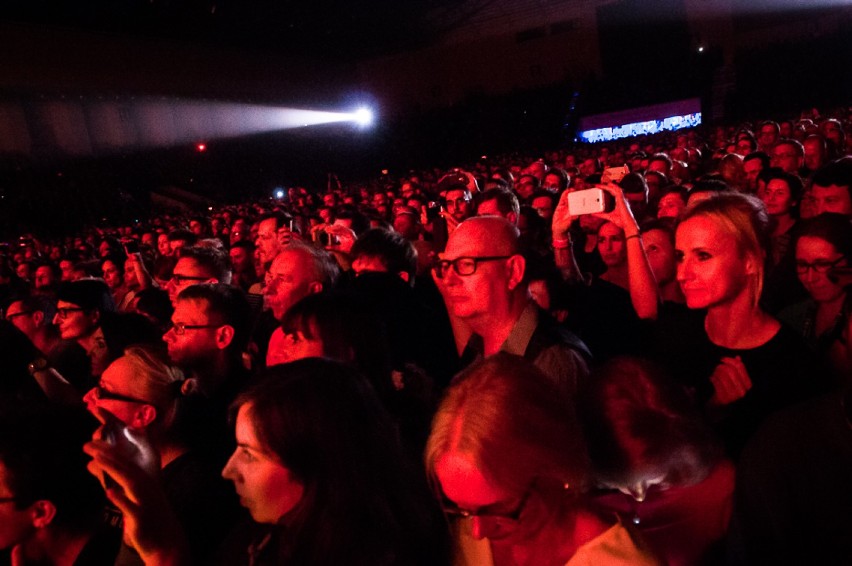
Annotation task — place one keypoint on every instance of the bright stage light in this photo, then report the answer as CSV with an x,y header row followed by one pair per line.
x,y
363,116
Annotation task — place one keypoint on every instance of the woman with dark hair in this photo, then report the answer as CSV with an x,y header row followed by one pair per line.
x,y
656,461
822,244
319,464
508,460
319,467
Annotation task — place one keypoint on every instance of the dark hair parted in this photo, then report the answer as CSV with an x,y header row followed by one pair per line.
x,y
363,503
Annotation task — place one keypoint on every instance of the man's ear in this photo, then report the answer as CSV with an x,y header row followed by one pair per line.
x,y
315,287
95,316
42,513
143,416
513,218
517,266
405,276
38,318
224,336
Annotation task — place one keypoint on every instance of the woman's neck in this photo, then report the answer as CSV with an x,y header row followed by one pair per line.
x,y
739,325
781,224
826,314
617,275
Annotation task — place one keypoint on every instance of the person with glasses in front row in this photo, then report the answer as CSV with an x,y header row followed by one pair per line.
x,y
823,245
209,335
481,276
142,390
51,508
507,459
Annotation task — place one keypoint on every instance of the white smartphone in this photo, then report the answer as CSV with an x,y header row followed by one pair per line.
x,y
590,201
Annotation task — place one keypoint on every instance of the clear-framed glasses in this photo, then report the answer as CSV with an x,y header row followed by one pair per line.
x,y
820,265
463,266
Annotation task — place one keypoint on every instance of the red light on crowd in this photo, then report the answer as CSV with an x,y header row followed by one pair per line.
x,y
201,147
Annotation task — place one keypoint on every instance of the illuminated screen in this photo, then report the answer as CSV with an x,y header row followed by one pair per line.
x,y
640,121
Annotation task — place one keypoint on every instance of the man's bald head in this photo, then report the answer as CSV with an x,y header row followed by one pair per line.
x,y
496,234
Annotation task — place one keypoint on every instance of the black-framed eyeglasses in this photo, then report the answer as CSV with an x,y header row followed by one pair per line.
x,y
12,316
820,265
105,395
490,512
180,328
178,279
63,312
463,266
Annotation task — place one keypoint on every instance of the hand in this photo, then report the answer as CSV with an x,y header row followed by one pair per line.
x,y
150,525
730,381
562,218
621,216
345,238
452,223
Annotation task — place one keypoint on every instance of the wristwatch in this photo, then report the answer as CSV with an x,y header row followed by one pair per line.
x,y
37,365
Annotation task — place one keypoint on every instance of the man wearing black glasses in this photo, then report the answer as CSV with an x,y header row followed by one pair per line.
x,y
481,278
198,264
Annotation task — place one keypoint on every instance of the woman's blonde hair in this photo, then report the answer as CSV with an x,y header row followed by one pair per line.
x,y
513,423
744,217
155,378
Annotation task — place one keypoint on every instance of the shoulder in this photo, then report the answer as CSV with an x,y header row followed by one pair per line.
x,y
614,547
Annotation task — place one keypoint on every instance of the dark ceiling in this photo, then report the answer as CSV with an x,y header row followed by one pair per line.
x,y
326,29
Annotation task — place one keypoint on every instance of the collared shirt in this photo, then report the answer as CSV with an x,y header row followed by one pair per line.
x,y
557,353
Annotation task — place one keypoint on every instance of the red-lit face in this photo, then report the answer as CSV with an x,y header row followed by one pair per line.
x,y
267,240
661,255
611,245
711,270
466,488
290,278
196,346
459,204
16,525
832,198
671,206
265,486
786,158
73,322
811,254
112,275
487,289
777,197
752,169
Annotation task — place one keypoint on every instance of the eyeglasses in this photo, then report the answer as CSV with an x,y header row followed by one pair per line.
x,y
104,395
820,265
178,279
63,312
463,266
499,519
180,328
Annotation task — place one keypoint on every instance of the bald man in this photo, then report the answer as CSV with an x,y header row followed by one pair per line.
x,y
481,278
